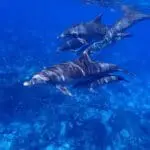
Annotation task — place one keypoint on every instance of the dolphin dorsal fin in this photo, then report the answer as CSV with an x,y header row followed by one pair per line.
x,y
98,19
85,57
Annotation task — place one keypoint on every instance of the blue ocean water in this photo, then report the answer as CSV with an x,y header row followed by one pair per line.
x,y
116,117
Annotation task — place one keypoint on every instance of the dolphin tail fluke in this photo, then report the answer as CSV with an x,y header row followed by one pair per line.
x,y
134,14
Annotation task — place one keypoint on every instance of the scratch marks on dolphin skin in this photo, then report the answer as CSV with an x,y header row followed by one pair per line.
x,y
75,65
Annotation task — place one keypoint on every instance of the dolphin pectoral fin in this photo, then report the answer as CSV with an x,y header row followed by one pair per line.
x,y
91,89
63,90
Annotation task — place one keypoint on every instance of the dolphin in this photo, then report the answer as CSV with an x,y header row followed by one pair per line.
x,y
118,30
88,30
76,72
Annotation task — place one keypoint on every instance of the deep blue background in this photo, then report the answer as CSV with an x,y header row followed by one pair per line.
x,y
28,32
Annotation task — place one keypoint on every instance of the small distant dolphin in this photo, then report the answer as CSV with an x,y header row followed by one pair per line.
x,y
88,30
76,73
117,31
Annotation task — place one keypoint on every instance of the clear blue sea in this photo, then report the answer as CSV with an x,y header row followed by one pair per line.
x,y
116,117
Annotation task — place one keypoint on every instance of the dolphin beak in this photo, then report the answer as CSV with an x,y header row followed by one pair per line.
x,y
26,83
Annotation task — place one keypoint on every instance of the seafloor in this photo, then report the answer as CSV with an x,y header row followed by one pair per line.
x,y
116,117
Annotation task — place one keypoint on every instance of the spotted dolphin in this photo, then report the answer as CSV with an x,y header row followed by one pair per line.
x,y
76,72
118,30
